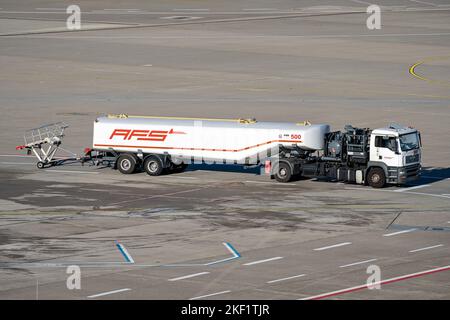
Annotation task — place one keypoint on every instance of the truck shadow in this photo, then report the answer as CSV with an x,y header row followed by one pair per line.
x,y
430,175
255,170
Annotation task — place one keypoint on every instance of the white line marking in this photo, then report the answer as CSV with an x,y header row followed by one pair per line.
x,y
424,2
288,278
429,194
108,293
190,9
361,2
210,295
364,286
64,9
189,276
333,246
260,9
412,188
427,248
399,232
262,261
17,163
70,171
13,155
356,263
121,9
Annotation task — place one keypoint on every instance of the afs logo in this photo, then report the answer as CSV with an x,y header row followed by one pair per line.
x,y
143,135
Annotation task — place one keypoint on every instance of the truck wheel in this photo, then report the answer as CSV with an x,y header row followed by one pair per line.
x,y
126,163
153,166
283,172
376,178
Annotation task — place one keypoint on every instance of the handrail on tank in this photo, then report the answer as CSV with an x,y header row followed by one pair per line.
x,y
126,116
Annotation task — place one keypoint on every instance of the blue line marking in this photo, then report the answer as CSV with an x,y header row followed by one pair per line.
x,y
119,246
236,253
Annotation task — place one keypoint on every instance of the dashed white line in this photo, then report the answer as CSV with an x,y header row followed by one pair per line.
x,y
189,276
333,246
262,261
108,293
412,188
210,295
399,232
426,248
284,279
357,263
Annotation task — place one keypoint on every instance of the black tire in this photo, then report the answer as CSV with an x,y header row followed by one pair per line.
x,y
40,165
283,172
126,163
376,178
153,165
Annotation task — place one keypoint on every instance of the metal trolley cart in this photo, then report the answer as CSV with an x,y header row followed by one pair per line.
x,y
45,141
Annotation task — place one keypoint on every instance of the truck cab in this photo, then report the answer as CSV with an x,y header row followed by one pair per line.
x,y
395,150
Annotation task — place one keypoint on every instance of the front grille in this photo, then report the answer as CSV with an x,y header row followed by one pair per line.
x,y
413,158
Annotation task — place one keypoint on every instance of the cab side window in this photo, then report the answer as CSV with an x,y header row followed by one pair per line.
x,y
389,143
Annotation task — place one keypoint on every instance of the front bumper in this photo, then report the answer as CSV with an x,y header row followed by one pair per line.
x,y
402,175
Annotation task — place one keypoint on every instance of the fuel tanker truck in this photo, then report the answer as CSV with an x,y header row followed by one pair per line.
x,y
158,145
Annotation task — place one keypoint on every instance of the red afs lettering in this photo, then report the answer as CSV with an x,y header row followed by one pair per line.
x,y
143,135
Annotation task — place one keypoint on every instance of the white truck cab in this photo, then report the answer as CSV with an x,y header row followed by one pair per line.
x,y
397,150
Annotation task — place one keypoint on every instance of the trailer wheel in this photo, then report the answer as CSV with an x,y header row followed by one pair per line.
x,y
153,166
40,165
283,172
376,178
126,163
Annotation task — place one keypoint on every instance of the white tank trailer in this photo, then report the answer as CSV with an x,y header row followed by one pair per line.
x,y
164,144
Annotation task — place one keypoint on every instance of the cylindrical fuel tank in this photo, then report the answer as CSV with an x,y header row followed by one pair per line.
x,y
215,139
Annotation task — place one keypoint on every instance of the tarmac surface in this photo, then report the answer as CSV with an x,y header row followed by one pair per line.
x,y
272,60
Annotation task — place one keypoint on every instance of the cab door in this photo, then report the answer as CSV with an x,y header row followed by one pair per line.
x,y
386,150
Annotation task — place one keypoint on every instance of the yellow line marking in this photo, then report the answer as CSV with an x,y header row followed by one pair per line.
x,y
412,70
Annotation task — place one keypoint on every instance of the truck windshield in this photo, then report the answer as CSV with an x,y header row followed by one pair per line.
x,y
409,141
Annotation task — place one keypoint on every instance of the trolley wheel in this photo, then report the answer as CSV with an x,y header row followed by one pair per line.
x,y
376,178
126,163
153,166
40,165
283,172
